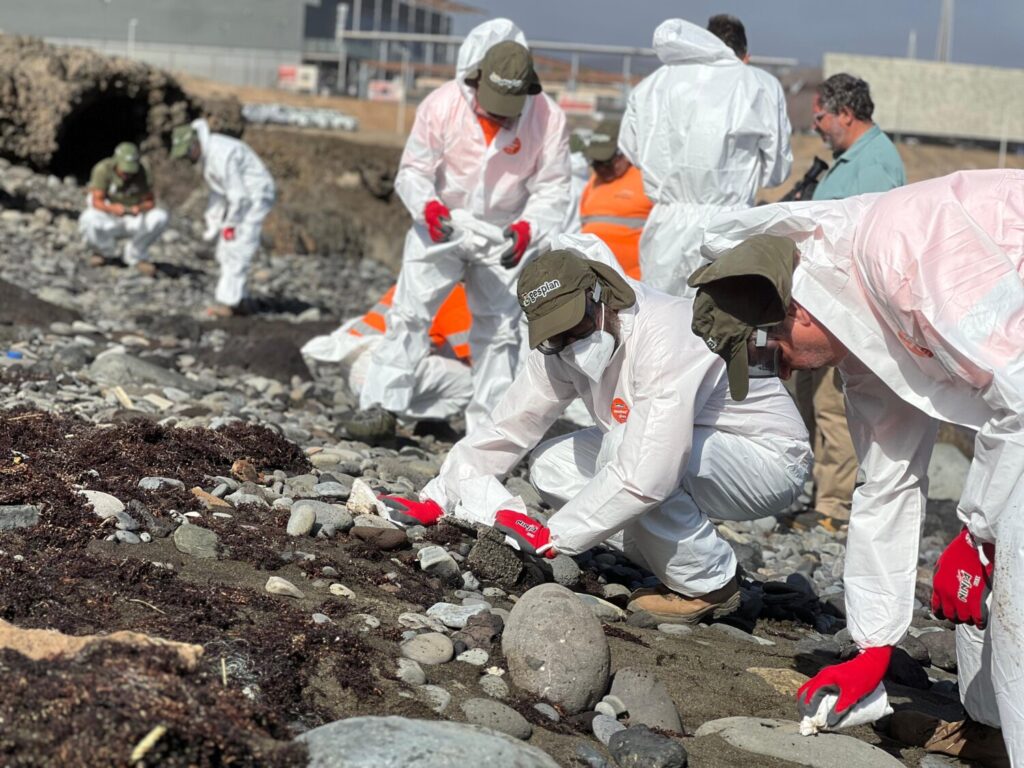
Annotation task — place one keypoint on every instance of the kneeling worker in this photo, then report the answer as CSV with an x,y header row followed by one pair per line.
x,y
121,204
670,448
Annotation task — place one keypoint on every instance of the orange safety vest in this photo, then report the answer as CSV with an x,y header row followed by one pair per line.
x,y
616,212
449,331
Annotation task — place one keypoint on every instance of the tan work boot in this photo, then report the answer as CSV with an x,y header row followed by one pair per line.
x,y
219,311
97,260
146,268
964,739
673,608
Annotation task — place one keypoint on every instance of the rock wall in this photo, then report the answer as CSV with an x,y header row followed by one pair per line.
x,y
63,109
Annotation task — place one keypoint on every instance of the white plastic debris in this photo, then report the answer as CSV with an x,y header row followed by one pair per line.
x,y
867,710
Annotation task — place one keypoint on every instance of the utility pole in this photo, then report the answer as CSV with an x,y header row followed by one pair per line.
x,y
944,41
912,44
132,24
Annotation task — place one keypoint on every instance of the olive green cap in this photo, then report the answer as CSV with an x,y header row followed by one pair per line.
x,y
746,287
603,143
552,292
505,78
126,158
181,140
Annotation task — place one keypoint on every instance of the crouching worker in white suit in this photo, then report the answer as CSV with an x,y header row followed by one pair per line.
x,y
121,204
485,176
670,450
918,296
241,195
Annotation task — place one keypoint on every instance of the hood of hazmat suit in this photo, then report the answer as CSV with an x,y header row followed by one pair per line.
x,y
659,385
924,285
522,174
239,182
706,131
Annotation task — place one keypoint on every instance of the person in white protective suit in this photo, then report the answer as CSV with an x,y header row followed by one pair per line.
x,y
241,195
443,380
918,296
670,450
706,131
485,175
122,204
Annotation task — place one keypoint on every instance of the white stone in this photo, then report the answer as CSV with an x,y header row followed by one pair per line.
x,y
340,590
103,504
363,501
278,586
475,656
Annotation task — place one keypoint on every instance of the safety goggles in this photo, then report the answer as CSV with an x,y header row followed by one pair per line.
x,y
581,330
764,356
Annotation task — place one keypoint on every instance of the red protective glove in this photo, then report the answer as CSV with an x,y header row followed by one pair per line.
x,y
962,581
529,534
520,234
228,233
438,219
852,680
405,512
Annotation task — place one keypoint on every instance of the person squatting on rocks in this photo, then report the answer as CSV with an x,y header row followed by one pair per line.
x,y
917,295
121,204
670,449
864,161
706,131
241,195
614,206
485,175
443,381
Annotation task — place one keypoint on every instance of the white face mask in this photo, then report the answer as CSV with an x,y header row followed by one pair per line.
x,y
591,356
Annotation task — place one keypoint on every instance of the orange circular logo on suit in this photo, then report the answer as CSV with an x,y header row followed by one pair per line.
x,y
917,349
514,147
620,411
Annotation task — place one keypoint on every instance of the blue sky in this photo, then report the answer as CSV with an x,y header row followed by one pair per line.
x,y
985,31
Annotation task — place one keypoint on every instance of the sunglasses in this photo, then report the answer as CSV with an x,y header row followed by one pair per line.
x,y
581,330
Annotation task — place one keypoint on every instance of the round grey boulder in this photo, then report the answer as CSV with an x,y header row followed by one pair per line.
x,y
556,648
398,742
493,714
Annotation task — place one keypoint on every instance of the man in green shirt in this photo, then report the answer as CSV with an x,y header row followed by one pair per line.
x,y
865,160
121,204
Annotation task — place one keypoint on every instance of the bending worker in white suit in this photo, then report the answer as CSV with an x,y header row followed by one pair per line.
x,y
670,448
485,175
706,131
241,195
918,296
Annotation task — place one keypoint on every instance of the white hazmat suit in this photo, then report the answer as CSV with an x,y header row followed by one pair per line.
x,y
924,285
670,448
706,131
102,230
522,175
443,384
241,195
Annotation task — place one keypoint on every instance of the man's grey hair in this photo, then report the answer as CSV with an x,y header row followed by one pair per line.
x,y
845,90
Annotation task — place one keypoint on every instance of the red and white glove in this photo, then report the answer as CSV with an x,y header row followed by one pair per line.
x,y
852,680
438,219
519,232
406,512
527,534
963,581
228,233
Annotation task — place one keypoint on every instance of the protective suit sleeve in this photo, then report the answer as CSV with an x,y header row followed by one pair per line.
x,y
628,139
673,384
520,419
776,153
235,192
894,441
416,179
550,189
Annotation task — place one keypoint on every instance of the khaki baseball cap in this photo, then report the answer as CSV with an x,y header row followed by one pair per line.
x,y
126,158
552,292
742,289
603,143
181,140
505,78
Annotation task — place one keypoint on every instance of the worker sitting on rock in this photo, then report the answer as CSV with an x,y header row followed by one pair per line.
x,y
121,204
917,296
241,195
485,176
670,450
614,205
443,381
